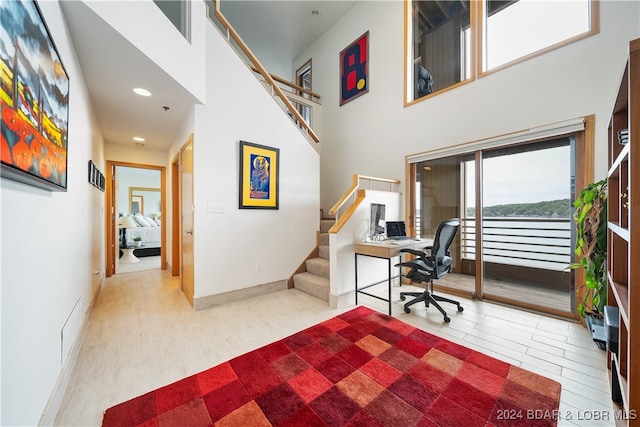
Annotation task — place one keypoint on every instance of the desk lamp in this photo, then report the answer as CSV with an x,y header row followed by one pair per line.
x,y
123,223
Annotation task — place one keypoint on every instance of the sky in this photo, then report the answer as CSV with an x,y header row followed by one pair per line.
x,y
528,177
530,25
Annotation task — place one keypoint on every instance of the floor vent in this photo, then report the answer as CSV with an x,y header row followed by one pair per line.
x,y
69,331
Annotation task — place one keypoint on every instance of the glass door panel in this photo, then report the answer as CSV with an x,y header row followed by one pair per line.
x,y
526,224
441,194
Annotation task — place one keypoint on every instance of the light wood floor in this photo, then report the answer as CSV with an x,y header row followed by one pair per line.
x,y
143,334
145,263
535,295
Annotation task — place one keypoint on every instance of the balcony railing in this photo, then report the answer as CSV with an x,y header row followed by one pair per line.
x,y
543,243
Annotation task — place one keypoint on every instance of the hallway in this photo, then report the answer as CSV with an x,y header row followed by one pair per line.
x,y
143,334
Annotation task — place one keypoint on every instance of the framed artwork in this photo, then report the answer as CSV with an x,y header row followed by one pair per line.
x,y
137,205
96,178
354,69
92,171
34,97
259,176
145,199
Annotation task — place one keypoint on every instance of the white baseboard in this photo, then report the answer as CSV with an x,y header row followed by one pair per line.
x,y
225,297
343,300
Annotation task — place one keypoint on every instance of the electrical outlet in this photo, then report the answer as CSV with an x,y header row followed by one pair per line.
x,y
215,209
258,268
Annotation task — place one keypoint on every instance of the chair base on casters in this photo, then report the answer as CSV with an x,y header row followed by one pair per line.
x,y
428,298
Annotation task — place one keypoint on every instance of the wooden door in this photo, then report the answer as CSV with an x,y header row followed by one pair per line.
x,y
186,213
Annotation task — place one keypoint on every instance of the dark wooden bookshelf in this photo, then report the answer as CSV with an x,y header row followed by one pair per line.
x,y
623,241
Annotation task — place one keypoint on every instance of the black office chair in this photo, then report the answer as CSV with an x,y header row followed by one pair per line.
x,y
431,266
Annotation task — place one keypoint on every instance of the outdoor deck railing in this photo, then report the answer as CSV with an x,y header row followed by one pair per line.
x,y
543,243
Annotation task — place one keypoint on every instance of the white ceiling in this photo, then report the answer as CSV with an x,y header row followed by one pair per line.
x,y
284,29
112,66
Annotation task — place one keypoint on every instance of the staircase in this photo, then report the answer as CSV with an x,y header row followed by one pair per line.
x,y
315,281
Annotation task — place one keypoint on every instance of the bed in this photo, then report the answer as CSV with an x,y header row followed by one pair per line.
x,y
150,234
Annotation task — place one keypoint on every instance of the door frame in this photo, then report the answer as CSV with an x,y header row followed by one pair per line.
x,y
110,214
176,246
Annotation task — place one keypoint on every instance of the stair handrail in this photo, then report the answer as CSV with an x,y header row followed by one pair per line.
x,y
334,211
231,32
293,86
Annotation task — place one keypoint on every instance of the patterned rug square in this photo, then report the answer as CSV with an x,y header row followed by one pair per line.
x,y
359,368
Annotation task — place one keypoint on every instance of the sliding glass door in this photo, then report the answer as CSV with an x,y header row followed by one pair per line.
x,y
515,205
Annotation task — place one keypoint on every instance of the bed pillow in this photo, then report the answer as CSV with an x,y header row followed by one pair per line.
x,y
141,221
151,222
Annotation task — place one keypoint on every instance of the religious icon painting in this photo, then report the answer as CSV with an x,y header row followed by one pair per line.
x,y
259,176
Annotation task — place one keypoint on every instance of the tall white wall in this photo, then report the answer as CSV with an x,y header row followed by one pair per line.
x,y
52,255
372,134
228,246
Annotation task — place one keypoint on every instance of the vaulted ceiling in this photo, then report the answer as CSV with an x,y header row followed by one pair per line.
x,y
112,66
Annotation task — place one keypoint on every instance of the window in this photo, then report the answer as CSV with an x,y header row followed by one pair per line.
x,y
515,29
303,79
177,11
442,36
439,45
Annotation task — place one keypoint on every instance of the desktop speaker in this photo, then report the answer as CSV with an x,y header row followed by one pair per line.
x,y
612,327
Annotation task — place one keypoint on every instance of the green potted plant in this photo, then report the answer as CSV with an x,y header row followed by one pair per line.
x,y
137,241
591,248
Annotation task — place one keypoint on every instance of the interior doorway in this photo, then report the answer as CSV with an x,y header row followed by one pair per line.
x,y
136,234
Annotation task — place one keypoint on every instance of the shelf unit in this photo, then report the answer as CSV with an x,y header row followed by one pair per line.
x,y
623,241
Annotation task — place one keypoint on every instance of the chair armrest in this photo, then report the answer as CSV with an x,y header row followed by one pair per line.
x,y
416,252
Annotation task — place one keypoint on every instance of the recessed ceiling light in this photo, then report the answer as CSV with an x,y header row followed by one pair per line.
x,y
137,138
142,92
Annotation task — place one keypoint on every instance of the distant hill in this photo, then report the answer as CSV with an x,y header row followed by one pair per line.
x,y
550,209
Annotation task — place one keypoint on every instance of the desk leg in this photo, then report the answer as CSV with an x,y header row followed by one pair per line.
x,y
356,266
389,276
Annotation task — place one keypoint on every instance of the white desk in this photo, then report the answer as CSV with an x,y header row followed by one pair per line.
x,y
386,249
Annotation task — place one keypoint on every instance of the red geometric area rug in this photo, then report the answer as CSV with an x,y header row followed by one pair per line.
x,y
361,368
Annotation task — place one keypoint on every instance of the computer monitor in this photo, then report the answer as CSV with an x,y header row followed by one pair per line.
x,y
376,221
